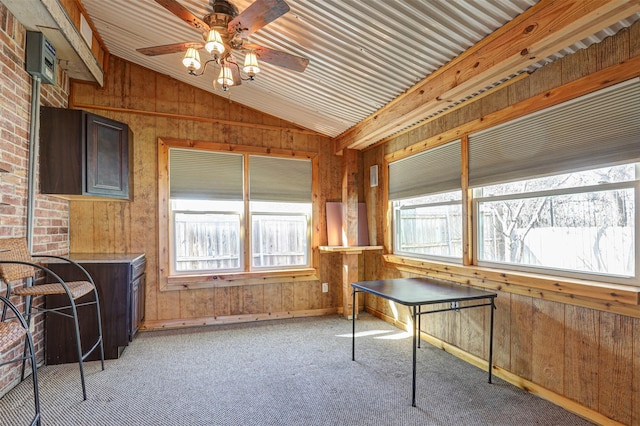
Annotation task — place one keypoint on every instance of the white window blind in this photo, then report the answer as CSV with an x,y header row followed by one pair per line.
x,y
429,172
279,179
599,129
196,174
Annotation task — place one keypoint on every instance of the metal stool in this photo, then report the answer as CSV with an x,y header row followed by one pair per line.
x,y
12,332
16,263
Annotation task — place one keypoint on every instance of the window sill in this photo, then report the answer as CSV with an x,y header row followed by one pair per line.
x,y
232,279
626,297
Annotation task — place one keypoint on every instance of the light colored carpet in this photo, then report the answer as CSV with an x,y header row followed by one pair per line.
x,y
284,372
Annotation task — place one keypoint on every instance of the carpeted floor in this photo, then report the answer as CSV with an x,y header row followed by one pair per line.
x,y
284,372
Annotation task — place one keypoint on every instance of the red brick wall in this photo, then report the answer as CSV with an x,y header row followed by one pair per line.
x,y
51,227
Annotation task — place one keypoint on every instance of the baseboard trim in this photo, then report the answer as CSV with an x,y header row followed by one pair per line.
x,y
164,324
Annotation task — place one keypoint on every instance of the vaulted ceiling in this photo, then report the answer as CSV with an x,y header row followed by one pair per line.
x,y
376,66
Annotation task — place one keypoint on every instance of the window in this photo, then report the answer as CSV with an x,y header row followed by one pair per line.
x,y
554,192
427,204
429,226
237,212
577,224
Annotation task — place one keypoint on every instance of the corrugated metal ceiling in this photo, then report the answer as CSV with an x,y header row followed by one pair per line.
x,y
362,54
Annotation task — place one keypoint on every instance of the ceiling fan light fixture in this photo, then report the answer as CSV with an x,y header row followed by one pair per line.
x,y
225,79
191,60
214,43
251,67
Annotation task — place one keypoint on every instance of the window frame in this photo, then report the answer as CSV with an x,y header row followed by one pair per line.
x,y
396,236
558,272
170,280
172,241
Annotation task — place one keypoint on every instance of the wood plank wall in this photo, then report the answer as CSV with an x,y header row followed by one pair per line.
x,y
578,354
156,106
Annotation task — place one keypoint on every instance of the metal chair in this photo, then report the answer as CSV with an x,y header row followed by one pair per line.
x,y
16,263
12,331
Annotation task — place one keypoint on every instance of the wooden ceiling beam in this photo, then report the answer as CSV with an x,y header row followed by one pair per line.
x,y
541,31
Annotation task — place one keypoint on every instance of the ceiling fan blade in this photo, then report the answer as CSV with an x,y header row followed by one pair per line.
x,y
281,59
183,13
169,48
256,16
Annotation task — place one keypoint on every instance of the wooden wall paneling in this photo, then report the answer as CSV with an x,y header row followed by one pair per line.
x,y
578,65
315,295
634,40
548,345
222,304
203,129
188,302
473,324
141,96
287,297
167,94
335,277
502,331
635,384
371,265
270,137
253,299
115,85
521,334
273,298
613,50
122,227
350,197
205,303
187,100
235,300
81,93
582,335
81,238
545,78
104,227
470,112
251,136
144,208
398,143
496,101
301,295
168,303
519,91
615,370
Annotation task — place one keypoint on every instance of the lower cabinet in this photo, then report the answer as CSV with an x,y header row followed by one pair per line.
x,y
120,279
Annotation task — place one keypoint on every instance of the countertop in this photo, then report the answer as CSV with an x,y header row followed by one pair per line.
x,y
106,257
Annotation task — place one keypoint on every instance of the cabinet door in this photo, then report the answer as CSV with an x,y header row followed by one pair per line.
x,y
137,304
107,157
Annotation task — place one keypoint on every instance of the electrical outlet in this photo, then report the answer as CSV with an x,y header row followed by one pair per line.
x,y
325,287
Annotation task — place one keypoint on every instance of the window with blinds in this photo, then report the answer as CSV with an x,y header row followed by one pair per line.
x,y
280,209
223,205
557,191
426,193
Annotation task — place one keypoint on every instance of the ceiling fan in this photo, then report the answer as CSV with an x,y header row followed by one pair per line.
x,y
225,31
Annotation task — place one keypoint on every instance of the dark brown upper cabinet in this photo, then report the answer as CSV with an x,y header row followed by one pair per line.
x,y
84,154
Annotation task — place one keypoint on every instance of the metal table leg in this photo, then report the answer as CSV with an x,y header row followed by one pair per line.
x,y
415,343
492,307
353,325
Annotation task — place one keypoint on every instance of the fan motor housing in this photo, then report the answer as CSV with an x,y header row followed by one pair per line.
x,y
222,13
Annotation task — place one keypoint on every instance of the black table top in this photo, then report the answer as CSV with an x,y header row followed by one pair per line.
x,y
421,291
